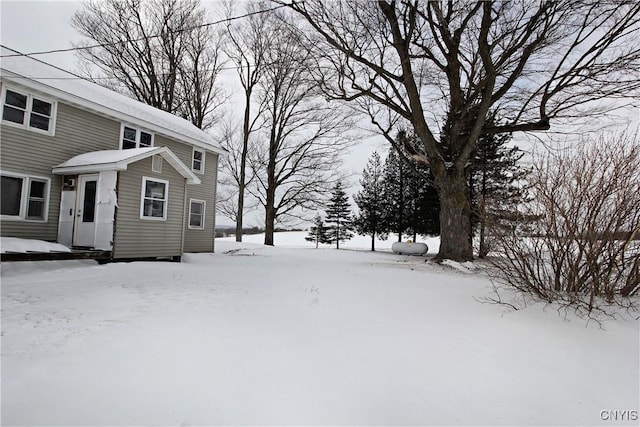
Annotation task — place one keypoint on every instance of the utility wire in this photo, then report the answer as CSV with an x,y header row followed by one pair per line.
x,y
209,24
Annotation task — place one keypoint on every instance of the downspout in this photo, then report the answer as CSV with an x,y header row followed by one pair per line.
x,y
215,199
184,218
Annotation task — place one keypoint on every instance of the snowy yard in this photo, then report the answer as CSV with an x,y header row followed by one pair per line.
x,y
254,335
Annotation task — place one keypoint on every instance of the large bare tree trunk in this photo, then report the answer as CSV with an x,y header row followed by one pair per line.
x,y
270,218
455,216
246,130
270,196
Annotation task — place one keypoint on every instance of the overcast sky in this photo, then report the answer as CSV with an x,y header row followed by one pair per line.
x,y
39,25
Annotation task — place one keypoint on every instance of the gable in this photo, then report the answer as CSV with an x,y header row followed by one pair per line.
x,y
118,160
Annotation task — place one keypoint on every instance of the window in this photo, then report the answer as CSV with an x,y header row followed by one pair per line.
x,y
196,214
26,110
155,195
198,161
135,138
36,203
24,197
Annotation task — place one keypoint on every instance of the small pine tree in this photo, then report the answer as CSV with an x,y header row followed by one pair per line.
x,y
317,232
370,201
338,217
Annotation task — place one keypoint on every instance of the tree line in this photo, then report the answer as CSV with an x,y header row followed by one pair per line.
x,y
397,197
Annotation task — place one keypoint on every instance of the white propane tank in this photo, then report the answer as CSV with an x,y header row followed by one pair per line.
x,y
409,248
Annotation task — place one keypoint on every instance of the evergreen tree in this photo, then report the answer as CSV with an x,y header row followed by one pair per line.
x,y
495,183
423,205
394,214
338,217
317,232
370,201
411,202
422,202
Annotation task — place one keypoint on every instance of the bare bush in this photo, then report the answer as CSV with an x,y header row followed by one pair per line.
x,y
583,248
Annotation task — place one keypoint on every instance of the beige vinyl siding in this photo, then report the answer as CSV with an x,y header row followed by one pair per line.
x,y
197,240
76,132
139,238
33,153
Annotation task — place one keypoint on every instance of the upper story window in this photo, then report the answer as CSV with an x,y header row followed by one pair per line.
x,y
24,197
29,111
132,137
198,161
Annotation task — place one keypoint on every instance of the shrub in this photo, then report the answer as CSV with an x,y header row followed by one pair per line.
x,y
582,248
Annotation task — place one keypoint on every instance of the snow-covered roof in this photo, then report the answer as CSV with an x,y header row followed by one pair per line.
x,y
65,86
118,160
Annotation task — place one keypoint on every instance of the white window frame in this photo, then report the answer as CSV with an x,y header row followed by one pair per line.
x,y
204,210
28,111
139,131
25,196
193,159
143,197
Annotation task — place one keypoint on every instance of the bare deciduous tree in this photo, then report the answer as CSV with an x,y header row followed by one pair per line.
x,y
442,66
584,246
230,177
157,51
247,42
298,153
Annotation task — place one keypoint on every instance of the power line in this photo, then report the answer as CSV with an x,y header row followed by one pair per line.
x,y
221,21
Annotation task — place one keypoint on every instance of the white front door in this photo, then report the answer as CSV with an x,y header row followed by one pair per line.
x,y
85,223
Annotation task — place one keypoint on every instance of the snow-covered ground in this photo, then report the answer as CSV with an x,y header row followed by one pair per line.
x,y
256,335
12,244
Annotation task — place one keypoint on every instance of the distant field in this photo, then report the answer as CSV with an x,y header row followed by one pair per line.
x,y
295,239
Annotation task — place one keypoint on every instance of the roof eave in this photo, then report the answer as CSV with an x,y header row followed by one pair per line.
x,y
106,111
74,170
121,165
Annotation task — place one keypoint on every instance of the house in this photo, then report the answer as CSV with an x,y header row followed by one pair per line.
x,y
90,168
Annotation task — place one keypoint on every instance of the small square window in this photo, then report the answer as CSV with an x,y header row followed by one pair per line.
x,y
41,107
145,139
39,122
13,115
16,99
15,107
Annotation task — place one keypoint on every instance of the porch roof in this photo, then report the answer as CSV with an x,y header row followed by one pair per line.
x,y
118,160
